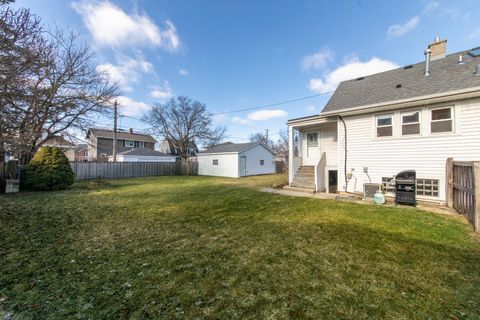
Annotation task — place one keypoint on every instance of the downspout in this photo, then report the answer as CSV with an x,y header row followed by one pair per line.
x,y
345,155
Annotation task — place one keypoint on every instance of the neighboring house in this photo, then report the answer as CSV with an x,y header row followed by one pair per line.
x,y
170,146
100,142
67,147
375,126
81,152
143,155
236,160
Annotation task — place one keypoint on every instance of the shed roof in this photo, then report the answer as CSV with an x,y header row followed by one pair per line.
x,y
229,147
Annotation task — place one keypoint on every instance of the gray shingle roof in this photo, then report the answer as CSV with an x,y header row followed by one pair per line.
x,y
229,147
143,152
445,75
122,135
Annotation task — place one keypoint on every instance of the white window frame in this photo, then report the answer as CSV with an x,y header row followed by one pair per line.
x,y
409,123
141,144
378,116
452,118
129,144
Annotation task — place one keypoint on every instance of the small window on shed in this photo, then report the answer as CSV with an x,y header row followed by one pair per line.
x,y
262,162
442,120
215,162
384,125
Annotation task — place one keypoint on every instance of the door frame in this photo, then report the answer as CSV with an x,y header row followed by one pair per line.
x,y
244,167
319,132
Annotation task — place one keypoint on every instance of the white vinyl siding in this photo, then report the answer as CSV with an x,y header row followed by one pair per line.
x,y
425,153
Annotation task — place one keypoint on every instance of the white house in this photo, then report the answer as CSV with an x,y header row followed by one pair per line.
x,y
143,155
236,160
373,127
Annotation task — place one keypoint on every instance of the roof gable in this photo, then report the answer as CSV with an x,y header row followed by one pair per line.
x,y
229,147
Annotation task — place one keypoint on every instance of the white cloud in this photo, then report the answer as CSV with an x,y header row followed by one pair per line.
x,y
431,7
310,108
353,68
183,72
162,93
127,70
130,107
398,30
317,60
474,34
110,25
240,120
263,115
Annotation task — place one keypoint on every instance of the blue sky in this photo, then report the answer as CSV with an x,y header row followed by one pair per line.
x,y
238,54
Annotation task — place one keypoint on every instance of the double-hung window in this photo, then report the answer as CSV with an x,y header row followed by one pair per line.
x,y
129,143
441,120
384,125
410,123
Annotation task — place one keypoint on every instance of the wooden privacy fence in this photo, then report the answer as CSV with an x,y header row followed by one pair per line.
x,y
123,170
463,189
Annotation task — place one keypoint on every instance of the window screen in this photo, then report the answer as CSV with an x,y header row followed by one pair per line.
x,y
442,120
410,123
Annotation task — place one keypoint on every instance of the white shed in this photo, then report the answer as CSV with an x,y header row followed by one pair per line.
x,y
236,160
143,155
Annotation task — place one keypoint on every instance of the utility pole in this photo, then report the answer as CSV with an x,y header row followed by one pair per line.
x,y
115,131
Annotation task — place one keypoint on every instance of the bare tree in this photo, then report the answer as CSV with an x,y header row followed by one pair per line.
x,y
182,121
261,137
57,87
280,148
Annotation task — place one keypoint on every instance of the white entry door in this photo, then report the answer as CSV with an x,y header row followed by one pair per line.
x,y
243,166
311,148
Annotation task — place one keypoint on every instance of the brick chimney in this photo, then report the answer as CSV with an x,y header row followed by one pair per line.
x,y
438,49
131,130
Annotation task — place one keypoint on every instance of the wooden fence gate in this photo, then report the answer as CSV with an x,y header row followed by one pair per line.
x,y
463,189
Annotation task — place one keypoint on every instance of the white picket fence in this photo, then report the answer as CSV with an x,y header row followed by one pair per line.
x,y
123,170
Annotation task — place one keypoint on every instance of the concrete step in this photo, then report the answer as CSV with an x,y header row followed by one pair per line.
x,y
303,185
299,189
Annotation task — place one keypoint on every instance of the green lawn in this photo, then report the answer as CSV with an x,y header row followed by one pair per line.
x,y
203,247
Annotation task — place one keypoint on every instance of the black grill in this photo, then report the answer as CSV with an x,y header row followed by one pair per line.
x,y
405,188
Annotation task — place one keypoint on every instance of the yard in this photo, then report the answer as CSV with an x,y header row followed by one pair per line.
x,y
204,247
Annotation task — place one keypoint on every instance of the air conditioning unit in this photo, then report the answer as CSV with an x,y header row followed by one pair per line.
x,y
369,190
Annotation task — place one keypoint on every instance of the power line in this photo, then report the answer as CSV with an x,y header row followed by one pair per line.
x,y
274,104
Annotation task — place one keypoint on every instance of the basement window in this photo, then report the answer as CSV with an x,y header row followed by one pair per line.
x,y
427,187
442,120
384,125
410,123
215,162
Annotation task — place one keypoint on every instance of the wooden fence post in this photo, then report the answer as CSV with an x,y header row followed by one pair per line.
x,y
449,182
476,191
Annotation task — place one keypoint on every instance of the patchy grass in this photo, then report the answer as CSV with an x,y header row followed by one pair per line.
x,y
204,247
